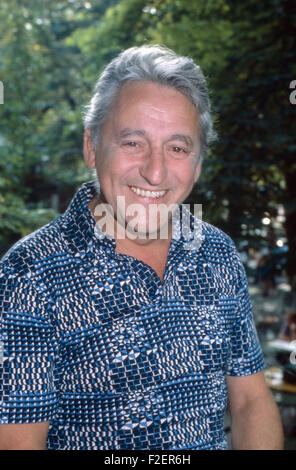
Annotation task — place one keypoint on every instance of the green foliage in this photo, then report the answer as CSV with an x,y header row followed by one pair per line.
x,y
41,127
52,53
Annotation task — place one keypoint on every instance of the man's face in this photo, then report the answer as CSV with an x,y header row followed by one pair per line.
x,y
148,151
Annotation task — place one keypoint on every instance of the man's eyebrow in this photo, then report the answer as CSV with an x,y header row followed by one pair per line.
x,y
129,131
184,138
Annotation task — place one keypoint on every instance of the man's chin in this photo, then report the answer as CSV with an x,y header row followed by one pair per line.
x,y
152,233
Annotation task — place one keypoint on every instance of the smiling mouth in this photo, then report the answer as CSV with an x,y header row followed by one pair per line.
x,y
145,193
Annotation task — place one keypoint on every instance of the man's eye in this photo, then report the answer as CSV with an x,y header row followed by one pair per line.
x,y
180,151
134,147
131,144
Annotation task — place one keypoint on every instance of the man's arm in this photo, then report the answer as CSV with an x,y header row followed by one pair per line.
x,y
255,419
23,436
29,350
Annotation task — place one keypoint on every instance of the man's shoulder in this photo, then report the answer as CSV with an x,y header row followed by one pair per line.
x,y
29,251
215,235
219,252
217,245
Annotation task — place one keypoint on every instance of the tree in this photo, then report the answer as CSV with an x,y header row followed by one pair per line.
x,y
260,147
41,127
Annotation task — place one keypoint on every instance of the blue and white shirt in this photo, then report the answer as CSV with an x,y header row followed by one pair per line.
x,y
114,358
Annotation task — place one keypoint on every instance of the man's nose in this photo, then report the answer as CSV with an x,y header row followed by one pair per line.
x,y
154,167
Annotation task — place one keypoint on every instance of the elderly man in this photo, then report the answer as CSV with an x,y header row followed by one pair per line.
x,y
115,337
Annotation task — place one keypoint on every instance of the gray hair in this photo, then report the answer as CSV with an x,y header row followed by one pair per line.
x,y
150,63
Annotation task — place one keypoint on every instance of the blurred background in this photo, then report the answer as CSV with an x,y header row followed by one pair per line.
x,y
51,54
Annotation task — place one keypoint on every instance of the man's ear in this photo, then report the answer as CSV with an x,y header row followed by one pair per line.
x,y
89,151
197,172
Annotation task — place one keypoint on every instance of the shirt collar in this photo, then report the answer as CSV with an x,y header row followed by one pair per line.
x,y
84,235
79,224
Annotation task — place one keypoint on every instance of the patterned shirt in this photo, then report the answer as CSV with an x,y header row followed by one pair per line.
x,y
113,357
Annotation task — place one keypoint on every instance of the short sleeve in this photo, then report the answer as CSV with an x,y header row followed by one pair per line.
x,y
246,357
27,355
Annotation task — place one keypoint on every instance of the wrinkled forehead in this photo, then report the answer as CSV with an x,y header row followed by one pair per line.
x,y
157,101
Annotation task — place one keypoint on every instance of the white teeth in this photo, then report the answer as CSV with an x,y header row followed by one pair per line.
x,y
142,192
